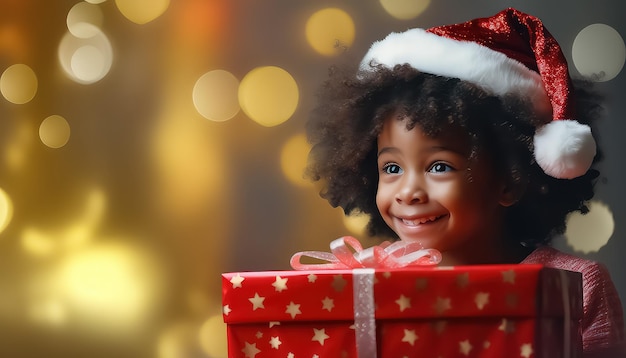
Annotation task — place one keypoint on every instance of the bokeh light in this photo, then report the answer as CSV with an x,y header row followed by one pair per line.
x,y
330,31
113,283
599,52
95,1
84,19
215,95
186,159
48,312
37,243
268,95
54,131
16,146
590,232
74,234
18,84
293,158
179,340
86,60
405,9
142,11
6,210
356,223
213,337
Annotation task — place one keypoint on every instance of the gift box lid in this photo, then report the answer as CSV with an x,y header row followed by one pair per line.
x,y
523,290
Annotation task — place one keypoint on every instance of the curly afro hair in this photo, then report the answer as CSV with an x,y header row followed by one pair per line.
x,y
344,127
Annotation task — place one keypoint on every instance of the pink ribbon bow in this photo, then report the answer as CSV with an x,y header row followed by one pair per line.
x,y
347,253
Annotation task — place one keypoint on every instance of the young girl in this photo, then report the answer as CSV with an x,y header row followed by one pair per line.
x,y
464,138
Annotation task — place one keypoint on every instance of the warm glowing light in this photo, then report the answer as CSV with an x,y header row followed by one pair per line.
x,y
213,337
48,312
38,243
84,19
356,223
6,210
268,95
111,286
86,60
330,31
190,164
95,1
599,52
18,84
293,159
87,63
54,131
215,95
142,11
590,232
405,9
74,235
179,340
16,146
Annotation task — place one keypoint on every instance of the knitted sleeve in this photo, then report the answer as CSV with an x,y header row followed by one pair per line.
x,y
603,322
603,326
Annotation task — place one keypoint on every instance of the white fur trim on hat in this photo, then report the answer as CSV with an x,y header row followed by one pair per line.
x,y
564,149
469,61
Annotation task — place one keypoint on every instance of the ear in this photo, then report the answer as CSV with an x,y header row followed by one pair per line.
x,y
511,191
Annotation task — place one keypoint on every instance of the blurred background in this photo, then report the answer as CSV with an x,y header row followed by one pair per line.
x,y
146,146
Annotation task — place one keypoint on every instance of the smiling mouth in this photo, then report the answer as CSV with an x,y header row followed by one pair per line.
x,y
420,221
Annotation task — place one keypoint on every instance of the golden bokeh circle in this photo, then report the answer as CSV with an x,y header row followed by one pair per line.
x,y
215,95
356,223
6,210
82,18
142,11
86,60
54,131
268,95
405,9
18,84
113,283
330,31
293,158
213,337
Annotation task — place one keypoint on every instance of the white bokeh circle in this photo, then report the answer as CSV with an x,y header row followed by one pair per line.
x,y
598,52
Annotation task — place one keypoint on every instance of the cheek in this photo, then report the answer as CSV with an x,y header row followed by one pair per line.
x,y
382,199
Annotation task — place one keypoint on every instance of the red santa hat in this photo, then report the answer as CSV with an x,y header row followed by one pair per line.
x,y
510,53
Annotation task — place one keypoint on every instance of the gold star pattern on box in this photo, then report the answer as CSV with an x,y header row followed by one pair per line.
x,y
319,335
328,304
465,347
236,281
280,284
403,303
452,312
275,342
409,336
257,301
293,309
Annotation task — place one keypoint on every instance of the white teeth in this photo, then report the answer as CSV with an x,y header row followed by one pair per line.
x,y
419,221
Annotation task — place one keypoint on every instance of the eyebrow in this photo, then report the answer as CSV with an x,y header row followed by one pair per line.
x,y
434,149
387,149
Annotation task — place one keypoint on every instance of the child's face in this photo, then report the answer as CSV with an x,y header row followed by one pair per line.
x,y
425,193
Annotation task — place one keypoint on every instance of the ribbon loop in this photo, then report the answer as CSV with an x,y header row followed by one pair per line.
x,y
348,253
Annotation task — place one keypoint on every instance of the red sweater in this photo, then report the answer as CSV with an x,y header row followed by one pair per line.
x,y
602,322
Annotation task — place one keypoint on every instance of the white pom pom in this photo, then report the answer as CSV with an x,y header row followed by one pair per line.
x,y
564,149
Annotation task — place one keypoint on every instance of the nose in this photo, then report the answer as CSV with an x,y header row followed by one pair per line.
x,y
411,191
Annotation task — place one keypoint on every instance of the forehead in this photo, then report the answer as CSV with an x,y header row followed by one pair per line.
x,y
399,130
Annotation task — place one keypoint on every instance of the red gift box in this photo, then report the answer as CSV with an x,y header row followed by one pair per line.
x,y
463,311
